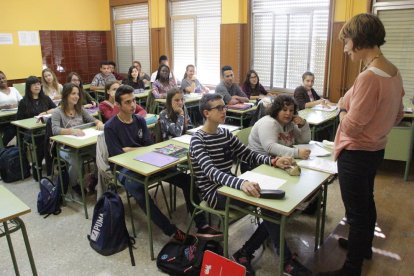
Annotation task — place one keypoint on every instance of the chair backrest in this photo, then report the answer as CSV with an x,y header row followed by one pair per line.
x,y
20,87
243,135
151,104
192,183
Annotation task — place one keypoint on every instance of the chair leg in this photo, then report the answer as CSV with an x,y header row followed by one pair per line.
x,y
132,216
191,221
165,200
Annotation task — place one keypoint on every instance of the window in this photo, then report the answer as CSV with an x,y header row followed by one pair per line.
x,y
398,21
132,36
289,37
195,29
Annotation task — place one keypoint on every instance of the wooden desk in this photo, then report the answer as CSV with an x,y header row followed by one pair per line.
x,y
150,174
11,208
319,120
240,115
400,140
297,189
83,149
35,129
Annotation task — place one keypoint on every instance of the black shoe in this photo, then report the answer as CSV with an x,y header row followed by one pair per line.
x,y
294,268
244,259
208,233
34,174
343,243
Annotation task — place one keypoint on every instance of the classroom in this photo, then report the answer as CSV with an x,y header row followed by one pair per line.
x,y
122,101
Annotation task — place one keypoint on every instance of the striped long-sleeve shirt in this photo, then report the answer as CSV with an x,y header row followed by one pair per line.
x,y
212,158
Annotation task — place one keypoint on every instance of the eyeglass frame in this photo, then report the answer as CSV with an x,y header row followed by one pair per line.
x,y
219,108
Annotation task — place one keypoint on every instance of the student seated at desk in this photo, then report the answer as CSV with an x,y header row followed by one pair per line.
x,y
50,85
142,75
126,132
86,100
252,86
230,91
212,151
276,133
163,83
34,103
68,115
9,98
190,83
133,79
305,95
109,108
101,78
174,118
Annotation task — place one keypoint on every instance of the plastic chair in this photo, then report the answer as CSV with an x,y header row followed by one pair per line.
x,y
243,136
204,207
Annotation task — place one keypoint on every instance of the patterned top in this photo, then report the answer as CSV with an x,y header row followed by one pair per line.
x,y
212,158
170,129
100,79
160,90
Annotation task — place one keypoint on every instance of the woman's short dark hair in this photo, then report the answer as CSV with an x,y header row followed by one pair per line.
x,y
168,102
205,101
307,74
107,87
280,102
32,80
69,79
365,30
123,90
66,90
247,80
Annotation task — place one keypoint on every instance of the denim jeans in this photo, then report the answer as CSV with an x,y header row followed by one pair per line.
x,y
356,173
137,190
264,230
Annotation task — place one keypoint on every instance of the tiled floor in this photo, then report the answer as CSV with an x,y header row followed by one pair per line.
x,y
60,246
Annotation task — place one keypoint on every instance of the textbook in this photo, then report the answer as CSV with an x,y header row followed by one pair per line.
x,y
265,182
172,150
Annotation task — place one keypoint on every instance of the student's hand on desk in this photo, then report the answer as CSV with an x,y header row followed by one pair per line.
x,y
99,126
251,188
283,162
304,153
78,132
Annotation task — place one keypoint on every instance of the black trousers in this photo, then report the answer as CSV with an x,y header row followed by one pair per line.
x,y
356,173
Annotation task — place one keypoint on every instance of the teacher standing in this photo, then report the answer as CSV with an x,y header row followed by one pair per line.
x,y
368,111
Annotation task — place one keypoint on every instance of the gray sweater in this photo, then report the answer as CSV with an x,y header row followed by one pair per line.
x,y
60,120
268,137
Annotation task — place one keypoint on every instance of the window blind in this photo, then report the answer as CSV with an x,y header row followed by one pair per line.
x,y
195,29
399,27
132,36
289,38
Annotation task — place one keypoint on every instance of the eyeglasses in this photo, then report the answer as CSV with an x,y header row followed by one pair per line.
x,y
253,77
219,108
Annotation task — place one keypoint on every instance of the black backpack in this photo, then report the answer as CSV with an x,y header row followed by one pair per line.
x,y
49,198
177,258
10,164
109,234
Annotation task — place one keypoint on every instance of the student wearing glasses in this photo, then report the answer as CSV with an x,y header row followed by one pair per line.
x,y
67,116
212,151
230,91
252,87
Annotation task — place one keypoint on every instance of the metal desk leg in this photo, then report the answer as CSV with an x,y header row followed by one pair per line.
x,y
226,228
28,249
62,186
20,145
313,130
35,157
9,242
148,211
325,199
80,178
318,220
282,245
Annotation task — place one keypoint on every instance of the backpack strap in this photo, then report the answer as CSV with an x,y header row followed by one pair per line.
x,y
131,242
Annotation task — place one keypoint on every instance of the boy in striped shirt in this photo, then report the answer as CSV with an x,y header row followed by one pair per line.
x,y
211,151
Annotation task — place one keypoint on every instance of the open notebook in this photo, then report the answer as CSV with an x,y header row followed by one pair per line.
x,y
319,164
156,159
324,107
265,182
316,149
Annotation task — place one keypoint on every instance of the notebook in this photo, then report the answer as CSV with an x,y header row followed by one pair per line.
x,y
186,138
240,106
216,265
324,107
319,164
156,159
265,182
172,150
316,149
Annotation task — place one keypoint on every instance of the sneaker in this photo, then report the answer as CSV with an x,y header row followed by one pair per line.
x,y
294,268
208,233
244,259
180,236
343,243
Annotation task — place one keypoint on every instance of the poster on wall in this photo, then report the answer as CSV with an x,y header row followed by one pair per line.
x,y
28,38
6,38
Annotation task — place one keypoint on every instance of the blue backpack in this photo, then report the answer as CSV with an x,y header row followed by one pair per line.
x,y
49,198
109,234
10,164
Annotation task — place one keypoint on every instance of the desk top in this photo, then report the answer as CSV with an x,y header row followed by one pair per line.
x,y
242,111
30,124
10,205
297,189
7,113
141,95
317,117
127,160
407,103
69,140
187,99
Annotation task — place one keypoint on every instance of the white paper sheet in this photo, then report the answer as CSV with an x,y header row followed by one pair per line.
x,y
265,182
231,128
319,164
89,132
324,107
186,138
316,150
